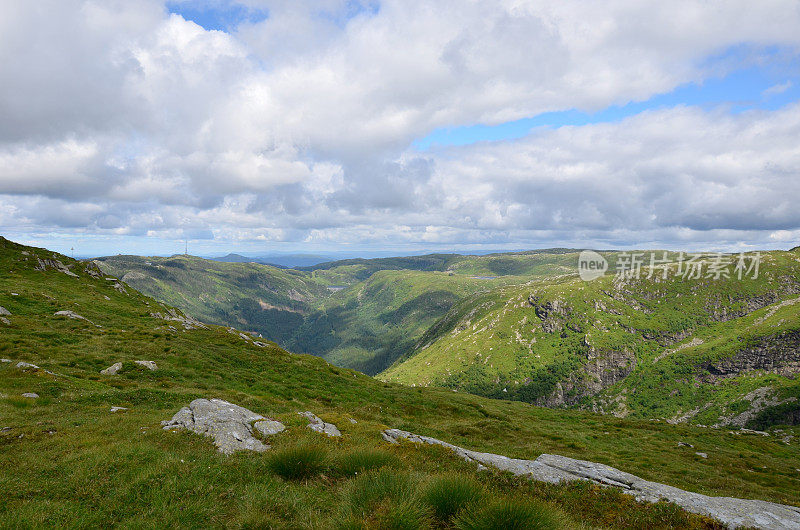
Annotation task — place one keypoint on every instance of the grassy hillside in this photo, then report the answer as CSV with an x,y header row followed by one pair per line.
x,y
249,296
385,307
651,348
69,462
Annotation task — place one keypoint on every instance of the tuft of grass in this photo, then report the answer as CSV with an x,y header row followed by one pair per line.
x,y
377,492
358,461
299,462
510,515
448,495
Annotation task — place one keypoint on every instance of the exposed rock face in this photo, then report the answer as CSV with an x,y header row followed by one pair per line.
x,y
44,264
112,370
186,321
230,425
4,311
316,424
778,354
734,513
22,365
73,315
269,427
150,365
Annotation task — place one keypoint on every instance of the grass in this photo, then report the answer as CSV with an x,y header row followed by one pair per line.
x,y
298,463
450,494
355,462
67,461
511,515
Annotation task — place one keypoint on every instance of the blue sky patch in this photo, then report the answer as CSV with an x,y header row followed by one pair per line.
x,y
217,15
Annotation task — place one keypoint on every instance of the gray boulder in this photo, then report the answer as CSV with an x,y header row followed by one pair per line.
x,y
112,370
150,365
118,409
4,311
735,513
22,365
316,424
32,395
231,426
269,427
73,315
6,361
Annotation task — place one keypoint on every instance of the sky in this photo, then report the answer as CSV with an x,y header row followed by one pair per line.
x,y
367,127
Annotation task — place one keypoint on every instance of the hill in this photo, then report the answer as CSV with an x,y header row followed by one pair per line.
x,y
708,350
358,313
69,461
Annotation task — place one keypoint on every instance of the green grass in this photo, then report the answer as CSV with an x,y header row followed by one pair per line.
x,y
524,342
511,515
68,462
299,462
450,494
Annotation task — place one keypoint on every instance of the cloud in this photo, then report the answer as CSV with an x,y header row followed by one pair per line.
x,y
122,118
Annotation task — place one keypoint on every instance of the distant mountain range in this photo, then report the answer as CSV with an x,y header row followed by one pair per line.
x,y
288,261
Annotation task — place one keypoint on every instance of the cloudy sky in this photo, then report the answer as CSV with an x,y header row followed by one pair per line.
x,y
284,125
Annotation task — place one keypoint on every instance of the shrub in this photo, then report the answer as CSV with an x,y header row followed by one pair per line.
x,y
448,495
357,462
509,515
299,462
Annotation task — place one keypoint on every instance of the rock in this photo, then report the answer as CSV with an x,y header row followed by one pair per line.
x,y
230,425
6,361
118,409
684,444
269,427
186,321
4,311
44,264
5,321
734,513
71,314
701,455
150,365
352,421
112,370
22,365
316,424
32,395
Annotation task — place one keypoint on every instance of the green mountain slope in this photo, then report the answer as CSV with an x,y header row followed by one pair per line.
x,y
372,315
677,348
68,461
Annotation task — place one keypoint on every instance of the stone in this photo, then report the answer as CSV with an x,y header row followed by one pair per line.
x,y
701,455
231,426
5,321
735,513
112,370
684,444
71,314
316,424
4,311
352,421
32,395
150,365
22,365
118,409
269,427
6,361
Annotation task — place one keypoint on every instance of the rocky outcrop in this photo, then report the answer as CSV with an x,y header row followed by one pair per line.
x,y
230,425
73,315
4,311
735,513
44,264
112,370
174,316
777,354
30,395
22,365
150,365
316,424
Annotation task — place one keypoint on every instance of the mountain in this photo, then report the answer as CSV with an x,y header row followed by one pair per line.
x,y
287,261
711,351
68,461
356,313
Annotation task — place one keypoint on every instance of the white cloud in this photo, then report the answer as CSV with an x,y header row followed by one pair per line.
x,y
297,127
